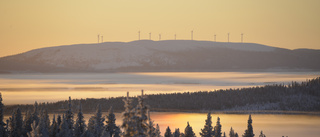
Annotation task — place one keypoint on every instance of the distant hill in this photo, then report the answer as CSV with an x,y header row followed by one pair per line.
x,y
168,55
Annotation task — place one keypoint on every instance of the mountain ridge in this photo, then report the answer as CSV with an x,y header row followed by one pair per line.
x,y
166,55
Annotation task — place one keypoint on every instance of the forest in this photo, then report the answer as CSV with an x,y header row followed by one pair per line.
x,y
136,122
304,96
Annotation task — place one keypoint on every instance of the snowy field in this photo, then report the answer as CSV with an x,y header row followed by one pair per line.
x,y
28,88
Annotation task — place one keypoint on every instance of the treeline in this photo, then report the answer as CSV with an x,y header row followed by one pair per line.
x,y
304,96
136,122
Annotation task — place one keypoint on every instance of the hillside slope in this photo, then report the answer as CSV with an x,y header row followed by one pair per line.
x,y
169,55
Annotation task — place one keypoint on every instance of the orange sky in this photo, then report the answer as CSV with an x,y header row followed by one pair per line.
x,y
31,24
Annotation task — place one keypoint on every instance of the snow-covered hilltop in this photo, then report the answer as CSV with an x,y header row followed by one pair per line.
x,y
168,55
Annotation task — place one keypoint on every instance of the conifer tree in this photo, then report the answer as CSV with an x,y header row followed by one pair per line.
x,y
65,131
207,131
151,129
217,129
53,130
117,132
16,124
42,128
105,133
236,135
188,132
141,116
80,125
35,114
224,134
231,133
249,131
98,122
33,132
261,134
111,122
168,132
176,133
157,131
128,124
69,116
27,122
3,132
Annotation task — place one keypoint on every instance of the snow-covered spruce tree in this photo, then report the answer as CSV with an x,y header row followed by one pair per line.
x,y
224,134
33,132
27,122
151,129
53,130
80,125
188,131
105,133
46,118
98,122
91,124
35,114
128,124
217,129
42,128
65,131
168,132
16,128
157,131
231,133
236,135
176,133
207,130
111,122
141,110
261,134
249,131
117,132
69,116
3,132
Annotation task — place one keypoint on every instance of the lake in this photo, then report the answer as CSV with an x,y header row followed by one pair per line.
x,y
28,88
272,125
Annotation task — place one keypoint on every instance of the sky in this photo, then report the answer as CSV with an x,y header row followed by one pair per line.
x,y
32,24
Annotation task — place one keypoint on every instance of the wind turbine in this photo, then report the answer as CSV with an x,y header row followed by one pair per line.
x,y
241,37
159,37
191,34
98,38
150,36
215,38
139,34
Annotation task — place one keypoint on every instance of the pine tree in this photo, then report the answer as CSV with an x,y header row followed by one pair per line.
x,y
111,122
54,127
35,114
217,129
236,135
42,128
3,132
65,130
207,131
69,116
157,131
168,132
33,132
142,117
27,122
224,134
128,124
188,132
105,133
176,133
91,125
249,131
261,134
98,122
151,129
117,132
16,128
80,125
231,133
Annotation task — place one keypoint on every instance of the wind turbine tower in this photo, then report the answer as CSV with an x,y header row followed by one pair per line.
x,y
215,40
241,37
159,37
192,35
101,39
228,37
139,34
150,36
98,38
